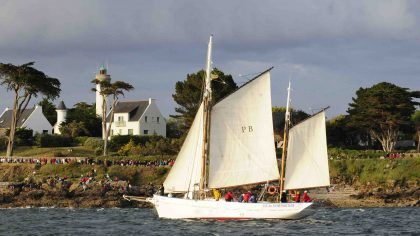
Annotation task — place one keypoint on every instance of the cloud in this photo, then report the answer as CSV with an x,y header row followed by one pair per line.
x,y
98,25
337,45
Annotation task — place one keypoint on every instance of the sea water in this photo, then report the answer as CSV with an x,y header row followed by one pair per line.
x,y
331,221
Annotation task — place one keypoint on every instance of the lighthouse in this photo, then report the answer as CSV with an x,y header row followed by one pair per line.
x,y
101,76
61,116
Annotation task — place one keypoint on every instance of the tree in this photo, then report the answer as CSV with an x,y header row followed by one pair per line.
x,y
382,111
173,128
48,109
339,135
188,93
25,82
74,129
415,118
279,115
84,114
114,90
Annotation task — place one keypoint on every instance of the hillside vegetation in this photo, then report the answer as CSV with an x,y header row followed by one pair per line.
x,y
360,172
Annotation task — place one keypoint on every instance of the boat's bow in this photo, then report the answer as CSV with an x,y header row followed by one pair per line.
x,y
139,199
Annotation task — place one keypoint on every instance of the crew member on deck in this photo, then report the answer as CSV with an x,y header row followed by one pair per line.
x,y
306,197
297,196
229,197
283,197
247,196
216,194
161,190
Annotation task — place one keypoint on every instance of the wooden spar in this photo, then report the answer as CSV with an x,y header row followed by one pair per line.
x,y
206,126
285,138
203,181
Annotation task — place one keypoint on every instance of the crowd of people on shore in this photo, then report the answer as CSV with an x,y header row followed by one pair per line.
x,y
86,161
395,155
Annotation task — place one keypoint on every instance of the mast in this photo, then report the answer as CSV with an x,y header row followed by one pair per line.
x,y
207,96
285,138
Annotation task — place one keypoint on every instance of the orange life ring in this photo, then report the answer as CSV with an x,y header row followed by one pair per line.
x,y
272,190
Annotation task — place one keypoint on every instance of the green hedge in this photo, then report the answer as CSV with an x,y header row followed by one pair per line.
x,y
3,143
48,140
24,137
119,141
80,140
94,143
340,154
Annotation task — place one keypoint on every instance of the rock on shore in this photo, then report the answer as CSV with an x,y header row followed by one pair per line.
x,y
348,196
92,197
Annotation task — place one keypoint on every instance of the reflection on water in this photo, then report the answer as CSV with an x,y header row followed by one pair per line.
x,y
53,221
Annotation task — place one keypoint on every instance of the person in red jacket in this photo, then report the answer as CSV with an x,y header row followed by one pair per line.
x,y
229,197
306,197
247,196
297,196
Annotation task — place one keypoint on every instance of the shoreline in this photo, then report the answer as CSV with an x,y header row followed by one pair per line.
x,y
346,197
395,183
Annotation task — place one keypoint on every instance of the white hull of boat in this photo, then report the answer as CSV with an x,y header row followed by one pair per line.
x,y
178,208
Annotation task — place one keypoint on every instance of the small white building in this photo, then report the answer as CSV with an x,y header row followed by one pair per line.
x,y
137,118
32,118
61,116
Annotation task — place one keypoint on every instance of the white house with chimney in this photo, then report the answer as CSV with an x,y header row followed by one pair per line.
x,y
137,118
31,118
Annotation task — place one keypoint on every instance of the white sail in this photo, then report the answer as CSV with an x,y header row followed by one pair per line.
x,y
307,159
241,137
187,168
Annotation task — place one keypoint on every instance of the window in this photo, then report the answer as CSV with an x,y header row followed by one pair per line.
x,y
120,118
145,119
130,131
112,132
45,131
157,119
146,131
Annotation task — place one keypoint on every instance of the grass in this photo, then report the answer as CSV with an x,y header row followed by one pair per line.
x,y
136,175
376,171
15,172
79,151
72,170
352,166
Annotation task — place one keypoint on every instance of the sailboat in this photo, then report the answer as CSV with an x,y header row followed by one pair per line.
x,y
231,144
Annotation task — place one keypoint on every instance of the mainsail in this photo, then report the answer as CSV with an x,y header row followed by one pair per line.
x,y
242,138
307,159
187,169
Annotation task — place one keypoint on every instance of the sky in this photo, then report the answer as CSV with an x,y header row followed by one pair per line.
x,y
328,48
